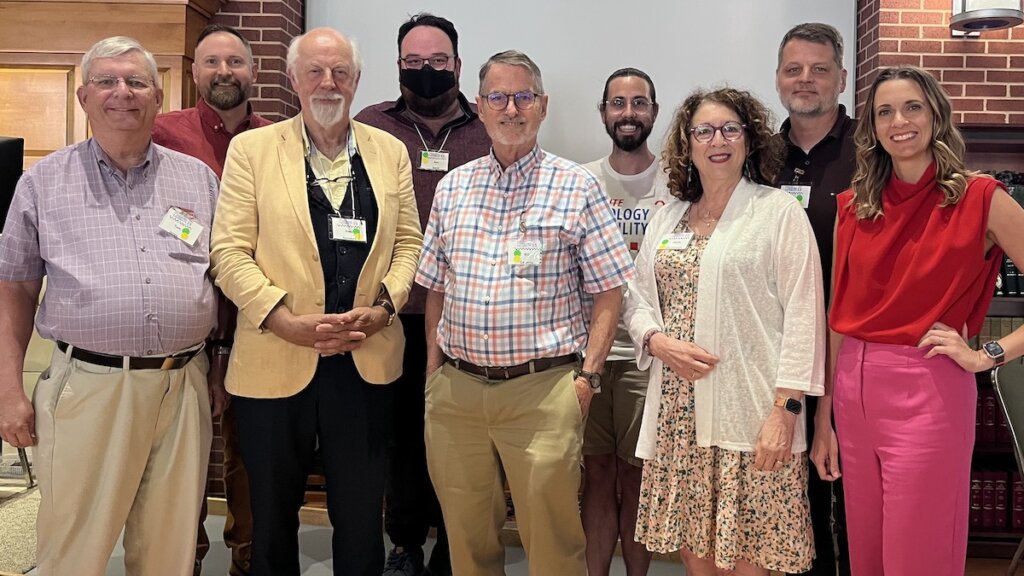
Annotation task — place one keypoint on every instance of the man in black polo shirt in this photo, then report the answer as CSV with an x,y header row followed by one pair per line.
x,y
441,130
819,165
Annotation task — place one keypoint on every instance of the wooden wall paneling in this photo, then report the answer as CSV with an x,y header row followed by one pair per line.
x,y
37,101
46,26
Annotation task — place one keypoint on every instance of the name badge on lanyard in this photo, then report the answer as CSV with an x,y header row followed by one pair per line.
x,y
433,161
347,229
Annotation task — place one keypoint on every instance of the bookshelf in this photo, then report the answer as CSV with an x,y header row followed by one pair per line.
x,y
996,528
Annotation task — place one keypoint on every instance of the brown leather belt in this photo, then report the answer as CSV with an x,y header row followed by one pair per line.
x,y
172,362
509,372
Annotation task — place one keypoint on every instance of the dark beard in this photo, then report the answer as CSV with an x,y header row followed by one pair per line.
x,y
430,107
225,97
629,143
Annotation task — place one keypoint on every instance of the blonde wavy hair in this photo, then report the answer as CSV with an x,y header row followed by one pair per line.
x,y
874,165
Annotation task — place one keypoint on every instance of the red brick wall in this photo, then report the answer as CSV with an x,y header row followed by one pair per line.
x,y
984,76
270,26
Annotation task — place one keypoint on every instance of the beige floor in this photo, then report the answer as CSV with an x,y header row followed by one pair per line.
x,y
315,539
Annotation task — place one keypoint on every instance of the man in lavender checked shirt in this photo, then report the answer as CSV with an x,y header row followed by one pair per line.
x,y
121,419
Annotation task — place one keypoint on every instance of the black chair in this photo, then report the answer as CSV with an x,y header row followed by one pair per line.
x,y
12,158
1008,381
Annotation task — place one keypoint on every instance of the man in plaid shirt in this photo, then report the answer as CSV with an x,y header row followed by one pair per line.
x,y
525,266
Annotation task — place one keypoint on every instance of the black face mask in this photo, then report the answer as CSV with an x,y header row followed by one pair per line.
x,y
427,82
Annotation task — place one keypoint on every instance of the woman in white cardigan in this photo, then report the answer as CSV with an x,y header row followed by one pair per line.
x,y
727,311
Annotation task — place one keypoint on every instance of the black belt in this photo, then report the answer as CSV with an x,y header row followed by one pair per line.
x,y
172,362
510,372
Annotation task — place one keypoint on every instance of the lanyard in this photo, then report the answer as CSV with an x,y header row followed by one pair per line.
x,y
427,148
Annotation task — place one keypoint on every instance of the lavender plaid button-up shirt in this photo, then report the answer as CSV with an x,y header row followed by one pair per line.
x,y
116,283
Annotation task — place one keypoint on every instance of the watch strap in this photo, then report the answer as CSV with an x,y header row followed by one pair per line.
x,y
791,405
592,378
389,308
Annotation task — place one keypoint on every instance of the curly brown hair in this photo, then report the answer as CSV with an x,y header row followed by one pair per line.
x,y
764,150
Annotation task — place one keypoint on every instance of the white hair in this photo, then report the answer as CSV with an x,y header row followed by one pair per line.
x,y
293,51
118,46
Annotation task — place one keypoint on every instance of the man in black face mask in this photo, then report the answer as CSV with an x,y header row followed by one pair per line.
x,y
441,129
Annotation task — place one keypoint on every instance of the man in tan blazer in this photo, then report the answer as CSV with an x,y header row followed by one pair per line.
x,y
316,240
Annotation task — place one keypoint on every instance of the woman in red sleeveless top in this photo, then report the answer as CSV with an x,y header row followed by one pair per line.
x,y
918,243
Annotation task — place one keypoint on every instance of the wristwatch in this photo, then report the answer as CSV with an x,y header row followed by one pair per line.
x,y
790,404
389,308
994,351
593,378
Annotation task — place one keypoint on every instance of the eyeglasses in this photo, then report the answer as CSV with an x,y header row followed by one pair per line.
x,y
523,100
640,104
109,82
437,61
731,131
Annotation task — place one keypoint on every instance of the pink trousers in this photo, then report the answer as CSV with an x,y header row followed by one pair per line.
x,y
906,433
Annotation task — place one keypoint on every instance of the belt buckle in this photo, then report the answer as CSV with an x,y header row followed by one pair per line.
x,y
168,363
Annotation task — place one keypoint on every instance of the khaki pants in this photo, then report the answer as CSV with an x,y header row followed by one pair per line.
x,y
532,427
120,449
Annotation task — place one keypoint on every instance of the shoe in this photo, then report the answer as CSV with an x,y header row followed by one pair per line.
x,y
404,562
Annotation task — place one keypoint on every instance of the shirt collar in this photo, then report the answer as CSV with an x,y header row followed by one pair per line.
x,y
308,145
397,107
212,119
521,167
835,133
104,162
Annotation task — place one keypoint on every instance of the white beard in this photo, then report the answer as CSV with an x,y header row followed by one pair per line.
x,y
327,110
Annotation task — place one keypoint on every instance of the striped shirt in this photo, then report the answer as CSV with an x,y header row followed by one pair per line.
x,y
116,283
496,312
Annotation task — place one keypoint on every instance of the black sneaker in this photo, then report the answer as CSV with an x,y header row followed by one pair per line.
x,y
404,562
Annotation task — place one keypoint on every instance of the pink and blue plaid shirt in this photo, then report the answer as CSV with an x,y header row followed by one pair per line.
x,y
498,314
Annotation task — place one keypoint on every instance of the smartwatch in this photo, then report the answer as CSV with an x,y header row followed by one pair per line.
x,y
994,351
592,378
790,404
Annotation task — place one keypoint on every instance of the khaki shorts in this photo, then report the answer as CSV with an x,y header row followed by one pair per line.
x,y
613,423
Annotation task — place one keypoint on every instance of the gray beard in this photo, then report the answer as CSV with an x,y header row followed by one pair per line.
x,y
328,115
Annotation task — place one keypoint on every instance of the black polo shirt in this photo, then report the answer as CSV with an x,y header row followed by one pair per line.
x,y
827,169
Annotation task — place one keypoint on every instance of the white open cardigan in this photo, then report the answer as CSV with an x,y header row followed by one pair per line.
x,y
760,309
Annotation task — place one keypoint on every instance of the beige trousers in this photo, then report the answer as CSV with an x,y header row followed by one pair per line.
x,y
120,449
532,427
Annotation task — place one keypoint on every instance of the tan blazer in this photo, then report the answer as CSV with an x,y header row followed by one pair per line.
x,y
263,252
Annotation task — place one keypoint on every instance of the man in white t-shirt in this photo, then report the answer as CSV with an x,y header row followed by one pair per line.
x,y
636,186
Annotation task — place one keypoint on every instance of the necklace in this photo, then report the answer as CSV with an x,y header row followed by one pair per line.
x,y
706,219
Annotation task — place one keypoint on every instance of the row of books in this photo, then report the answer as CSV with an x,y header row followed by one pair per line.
x,y
1009,283
991,429
996,327
997,501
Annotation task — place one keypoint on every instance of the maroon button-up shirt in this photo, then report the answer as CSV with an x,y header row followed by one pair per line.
x,y
464,139
200,133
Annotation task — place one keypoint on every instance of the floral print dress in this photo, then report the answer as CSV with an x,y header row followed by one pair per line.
x,y
712,501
